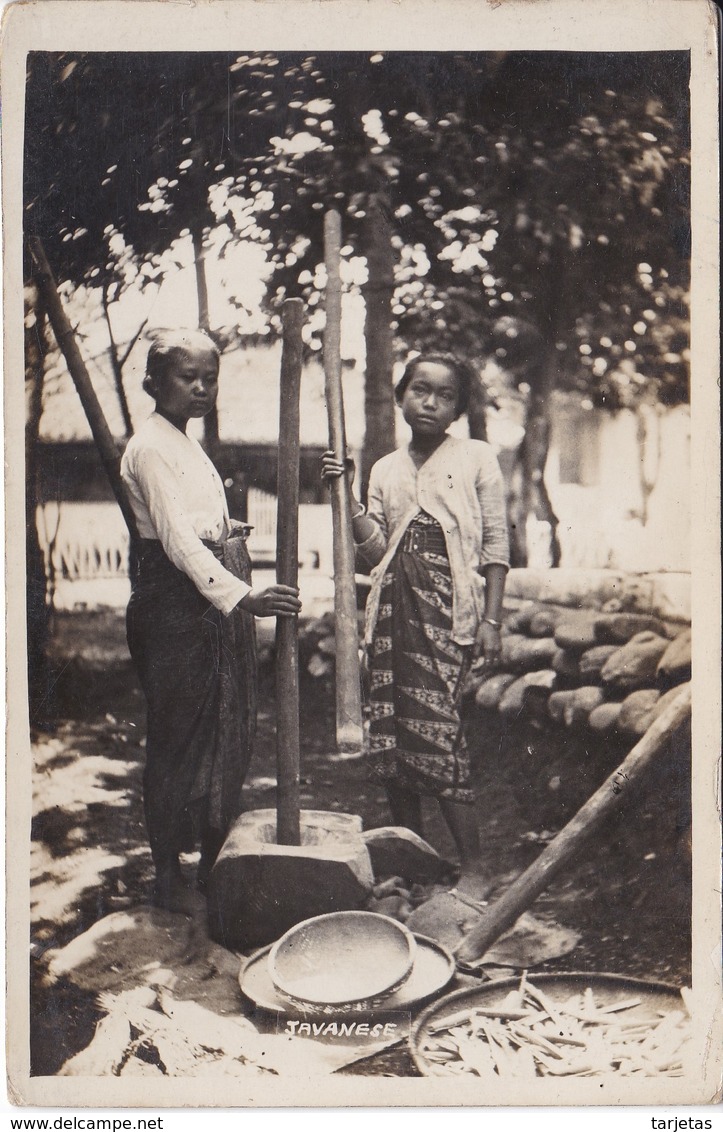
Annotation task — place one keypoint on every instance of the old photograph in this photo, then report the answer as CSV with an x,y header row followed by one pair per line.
x,y
363,570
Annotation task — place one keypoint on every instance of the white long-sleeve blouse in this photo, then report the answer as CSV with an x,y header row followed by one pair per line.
x,y
177,497
460,486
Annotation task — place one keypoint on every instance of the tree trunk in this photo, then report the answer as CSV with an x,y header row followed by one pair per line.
x,y
517,510
201,285
379,436
543,384
529,495
477,411
537,502
210,421
537,367
117,366
38,611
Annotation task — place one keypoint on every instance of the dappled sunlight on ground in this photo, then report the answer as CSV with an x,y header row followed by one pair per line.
x,y
72,793
82,784
89,854
58,883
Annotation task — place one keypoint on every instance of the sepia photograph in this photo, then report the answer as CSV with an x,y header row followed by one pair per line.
x,y
363,568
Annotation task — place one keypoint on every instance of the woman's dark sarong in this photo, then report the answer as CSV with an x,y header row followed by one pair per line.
x,y
197,670
416,741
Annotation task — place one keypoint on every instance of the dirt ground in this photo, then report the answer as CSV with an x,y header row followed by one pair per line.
x,y
628,895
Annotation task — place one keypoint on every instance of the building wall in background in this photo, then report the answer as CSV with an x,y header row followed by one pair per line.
x,y
620,486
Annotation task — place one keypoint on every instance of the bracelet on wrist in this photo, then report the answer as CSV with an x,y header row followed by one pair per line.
x,y
492,622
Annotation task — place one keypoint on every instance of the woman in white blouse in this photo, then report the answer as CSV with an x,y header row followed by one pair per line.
x,y
190,620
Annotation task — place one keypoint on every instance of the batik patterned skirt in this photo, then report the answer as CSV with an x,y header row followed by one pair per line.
x,y
416,739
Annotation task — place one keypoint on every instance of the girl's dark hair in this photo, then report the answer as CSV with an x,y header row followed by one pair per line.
x,y
462,370
165,349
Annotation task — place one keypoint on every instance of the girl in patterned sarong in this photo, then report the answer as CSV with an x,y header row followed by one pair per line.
x,y
190,620
435,533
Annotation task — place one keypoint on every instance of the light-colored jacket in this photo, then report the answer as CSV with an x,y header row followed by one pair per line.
x,y
460,486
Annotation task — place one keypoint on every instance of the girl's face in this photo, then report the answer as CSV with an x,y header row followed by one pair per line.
x,y
189,387
429,403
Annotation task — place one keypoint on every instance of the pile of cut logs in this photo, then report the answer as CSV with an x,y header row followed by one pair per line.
x,y
610,672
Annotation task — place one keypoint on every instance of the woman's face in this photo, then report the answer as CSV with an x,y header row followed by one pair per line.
x,y
429,403
189,387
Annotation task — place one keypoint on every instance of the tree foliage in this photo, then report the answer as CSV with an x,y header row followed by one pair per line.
x,y
530,206
547,188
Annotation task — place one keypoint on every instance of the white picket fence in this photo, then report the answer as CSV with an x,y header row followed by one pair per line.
x,y
85,546
262,517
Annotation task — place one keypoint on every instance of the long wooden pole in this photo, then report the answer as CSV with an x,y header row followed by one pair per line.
x,y
349,732
288,830
614,791
65,338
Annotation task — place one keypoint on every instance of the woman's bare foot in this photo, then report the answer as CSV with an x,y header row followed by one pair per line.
x,y
171,892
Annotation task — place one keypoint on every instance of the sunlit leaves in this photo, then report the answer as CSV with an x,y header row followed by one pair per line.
x,y
550,188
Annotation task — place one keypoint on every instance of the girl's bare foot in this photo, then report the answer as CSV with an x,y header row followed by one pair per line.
x,y
474,885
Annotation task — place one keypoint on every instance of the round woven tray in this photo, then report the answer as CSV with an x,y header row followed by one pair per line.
x,y
655,999
432,972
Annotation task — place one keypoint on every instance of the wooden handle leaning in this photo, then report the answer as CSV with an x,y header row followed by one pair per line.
x,y
65,338
614,791
349,732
